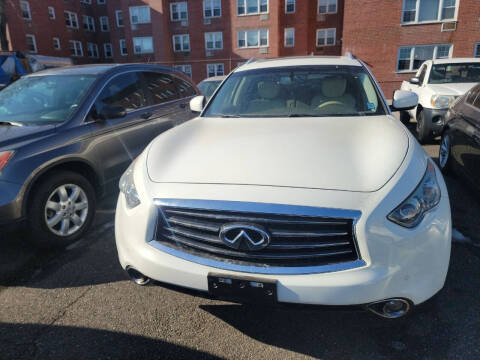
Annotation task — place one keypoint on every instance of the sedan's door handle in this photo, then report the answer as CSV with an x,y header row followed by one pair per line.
x,y
146,115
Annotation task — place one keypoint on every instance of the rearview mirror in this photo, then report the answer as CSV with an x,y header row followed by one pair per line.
x,y
414,81
112,112
404,100
197,103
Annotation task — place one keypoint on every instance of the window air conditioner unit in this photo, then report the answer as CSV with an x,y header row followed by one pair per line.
x,y
184,23
320,17
207,21
134,19
449,26
138,49
264,17
263,50
209,53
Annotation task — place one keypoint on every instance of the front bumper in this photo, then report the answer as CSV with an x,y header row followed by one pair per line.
x,y
435,119
10,202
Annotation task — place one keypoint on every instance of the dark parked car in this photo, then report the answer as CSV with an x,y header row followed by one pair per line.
x,y
208,86
67,135
460,144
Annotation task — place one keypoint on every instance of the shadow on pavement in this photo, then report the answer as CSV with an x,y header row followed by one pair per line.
x,y
27,341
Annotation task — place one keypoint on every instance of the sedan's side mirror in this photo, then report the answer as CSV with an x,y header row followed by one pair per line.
x,y
112,112
414,81
404,100
197,103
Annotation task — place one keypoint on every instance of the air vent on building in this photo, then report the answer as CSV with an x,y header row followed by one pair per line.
x,y
209,53
184,23
263,50
207,21
134,26
320,17
264,17
138,49
449,26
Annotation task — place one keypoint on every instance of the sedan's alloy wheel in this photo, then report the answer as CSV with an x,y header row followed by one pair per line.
x,y
66,210
444,152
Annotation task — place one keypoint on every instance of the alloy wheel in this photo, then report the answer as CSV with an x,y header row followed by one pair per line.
x,y
444,152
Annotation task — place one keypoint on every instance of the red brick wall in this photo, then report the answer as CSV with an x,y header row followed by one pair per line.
x,y
373,32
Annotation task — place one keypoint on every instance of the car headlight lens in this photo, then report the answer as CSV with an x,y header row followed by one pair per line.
x,y
127,187
426,196
442,101
4,157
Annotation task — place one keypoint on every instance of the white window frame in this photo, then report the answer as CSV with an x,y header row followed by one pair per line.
x,y
412,55
326,37
101,2
34,42
476,49
90,20
178,3
51,13
439,17
181,36
211,4
123,45
56,44
294,6
102,23
285,37
214,34
25,4
216,66
327,4
133,9
71,15
105,46
117,18
78,47
185,68
94,49
259,12
246,38
142,38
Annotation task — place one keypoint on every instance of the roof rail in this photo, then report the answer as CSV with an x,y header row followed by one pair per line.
x,y
350,55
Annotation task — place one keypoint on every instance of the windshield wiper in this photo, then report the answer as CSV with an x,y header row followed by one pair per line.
x,y
11,123
228,116
303,115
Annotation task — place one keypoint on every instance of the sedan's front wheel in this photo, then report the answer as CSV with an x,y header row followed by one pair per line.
x,y
62,210
444,153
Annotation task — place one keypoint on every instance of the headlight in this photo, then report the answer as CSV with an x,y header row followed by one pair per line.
x,y
127,187
426,196
442,101
4,157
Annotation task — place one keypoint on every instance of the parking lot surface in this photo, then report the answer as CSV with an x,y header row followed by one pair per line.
x,y
79,304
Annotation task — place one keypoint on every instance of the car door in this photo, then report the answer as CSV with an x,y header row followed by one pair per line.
x,y
186,92
472,159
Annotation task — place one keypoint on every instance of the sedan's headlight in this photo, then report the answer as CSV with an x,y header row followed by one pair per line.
x,y
426,196
127,187
442,101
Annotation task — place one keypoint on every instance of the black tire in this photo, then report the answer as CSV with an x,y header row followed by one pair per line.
x,y
39,233
404,117
444,153
423,129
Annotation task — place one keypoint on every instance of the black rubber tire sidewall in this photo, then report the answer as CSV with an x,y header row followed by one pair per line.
x,y
39,234
448,165
423,132
404,117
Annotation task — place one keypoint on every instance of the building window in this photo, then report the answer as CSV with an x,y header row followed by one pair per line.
x,y
326,37
101,2
418,11
56,43
411,57
290,37
88,23
51,13
187,69
71,20
86,1
289,6
139,15
327,6
213,41
108,50
25,10
104,25
181,42
31,44
178,11
252,38
143,45
476,52
92,50
215,70
119,17
212,8
123,47
252,7
76,48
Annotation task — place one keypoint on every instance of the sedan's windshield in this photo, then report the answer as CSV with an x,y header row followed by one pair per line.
x,y
207,88
43,99
455,73
297,92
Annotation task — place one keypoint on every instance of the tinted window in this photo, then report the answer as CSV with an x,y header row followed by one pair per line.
x,y
472,96
161,86
185,89
208,87
124,90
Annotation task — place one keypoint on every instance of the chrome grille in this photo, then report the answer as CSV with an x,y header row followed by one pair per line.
x,y
296,240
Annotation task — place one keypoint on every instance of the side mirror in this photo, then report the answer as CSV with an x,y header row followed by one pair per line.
x,y
112,112
197,103
414,81
404,100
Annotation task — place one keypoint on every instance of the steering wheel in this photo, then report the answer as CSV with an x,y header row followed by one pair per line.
x,y
330,103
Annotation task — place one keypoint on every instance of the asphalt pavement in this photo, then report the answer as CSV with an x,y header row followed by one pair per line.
x,y
79,304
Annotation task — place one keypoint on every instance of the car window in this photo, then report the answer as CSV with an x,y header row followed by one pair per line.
x,y
185,89
123,90
208,87
161,86
472,95
455,73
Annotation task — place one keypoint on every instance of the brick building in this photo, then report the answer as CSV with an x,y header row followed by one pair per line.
x,y
201,37
394,36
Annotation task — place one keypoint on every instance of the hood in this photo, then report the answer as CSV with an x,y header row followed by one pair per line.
x,y
13,136
343,153
456,89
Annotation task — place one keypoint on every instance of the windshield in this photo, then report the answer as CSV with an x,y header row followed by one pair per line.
x,y
297,91
43,99
455,73
207,88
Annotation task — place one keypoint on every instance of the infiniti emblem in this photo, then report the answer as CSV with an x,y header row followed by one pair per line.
x,y
244,236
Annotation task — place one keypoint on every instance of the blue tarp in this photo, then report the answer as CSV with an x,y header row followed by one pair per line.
x,y
5,78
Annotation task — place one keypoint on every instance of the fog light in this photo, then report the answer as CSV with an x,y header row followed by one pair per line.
x,y
390,308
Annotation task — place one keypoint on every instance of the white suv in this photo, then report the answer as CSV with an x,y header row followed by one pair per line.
x,y
295,184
